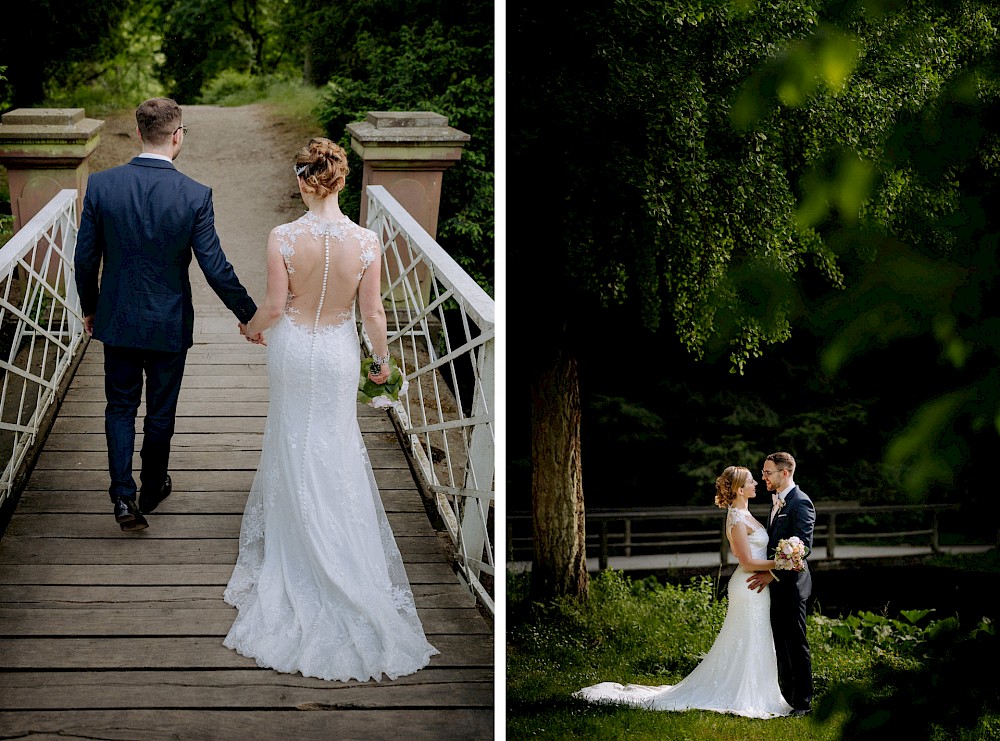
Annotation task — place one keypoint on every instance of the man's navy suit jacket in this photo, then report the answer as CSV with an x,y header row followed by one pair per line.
x,y
143,220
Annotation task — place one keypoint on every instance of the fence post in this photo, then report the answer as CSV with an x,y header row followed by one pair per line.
x,y
723,546
603,561
935,544
628,536
831,536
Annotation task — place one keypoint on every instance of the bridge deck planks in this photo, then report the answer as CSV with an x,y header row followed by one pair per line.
x,y
112,635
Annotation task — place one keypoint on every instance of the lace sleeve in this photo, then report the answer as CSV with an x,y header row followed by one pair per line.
x,y
734,516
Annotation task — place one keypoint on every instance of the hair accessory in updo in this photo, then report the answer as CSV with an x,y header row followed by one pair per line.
x,y
322,167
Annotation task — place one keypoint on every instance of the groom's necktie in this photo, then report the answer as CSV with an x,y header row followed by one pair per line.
x,y
774,508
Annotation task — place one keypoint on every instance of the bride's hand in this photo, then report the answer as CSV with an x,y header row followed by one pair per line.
x,y
382,376
257,339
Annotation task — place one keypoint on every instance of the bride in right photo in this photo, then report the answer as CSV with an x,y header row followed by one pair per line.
x,y
740,674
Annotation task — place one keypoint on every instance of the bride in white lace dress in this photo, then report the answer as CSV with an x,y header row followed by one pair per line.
x,y
319,582
739,675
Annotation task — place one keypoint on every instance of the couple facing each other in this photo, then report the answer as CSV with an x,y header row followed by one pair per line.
x,y
759,665
319,583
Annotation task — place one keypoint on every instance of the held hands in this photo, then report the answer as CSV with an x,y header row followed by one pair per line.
x,y
257,339
88,325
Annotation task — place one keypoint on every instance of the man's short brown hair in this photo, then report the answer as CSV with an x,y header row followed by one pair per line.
x,y
782,460
158,119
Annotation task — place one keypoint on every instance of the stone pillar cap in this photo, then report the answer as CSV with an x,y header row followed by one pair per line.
x,y
48,123
405,126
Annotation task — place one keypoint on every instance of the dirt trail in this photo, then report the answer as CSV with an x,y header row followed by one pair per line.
x,y
245,155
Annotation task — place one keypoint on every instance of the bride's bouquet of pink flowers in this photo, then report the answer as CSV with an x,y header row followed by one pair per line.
x,y
790,555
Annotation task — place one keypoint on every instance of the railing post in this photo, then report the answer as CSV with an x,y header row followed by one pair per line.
x,y
603,560
628,537
831,536
479,474
45,150
935,543
407,152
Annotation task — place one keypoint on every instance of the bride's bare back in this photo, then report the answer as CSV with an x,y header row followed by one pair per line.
x,y
322,293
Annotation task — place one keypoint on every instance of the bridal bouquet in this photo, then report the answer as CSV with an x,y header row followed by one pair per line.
x,y
790,555
385,395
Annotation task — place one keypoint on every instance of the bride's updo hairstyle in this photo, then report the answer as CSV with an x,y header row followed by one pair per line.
x,y
322,167
728,485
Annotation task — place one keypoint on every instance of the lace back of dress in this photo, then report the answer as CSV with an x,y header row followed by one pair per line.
x,y
312,346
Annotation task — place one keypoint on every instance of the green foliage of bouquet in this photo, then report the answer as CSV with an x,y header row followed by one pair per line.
x,y
386,394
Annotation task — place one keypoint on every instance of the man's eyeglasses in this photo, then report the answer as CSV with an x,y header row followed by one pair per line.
x,y
769,474
181,128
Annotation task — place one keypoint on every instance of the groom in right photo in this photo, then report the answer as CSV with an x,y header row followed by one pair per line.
x,y
792,513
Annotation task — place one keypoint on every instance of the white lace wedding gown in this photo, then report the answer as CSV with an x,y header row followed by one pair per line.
x,y
319,581
739,674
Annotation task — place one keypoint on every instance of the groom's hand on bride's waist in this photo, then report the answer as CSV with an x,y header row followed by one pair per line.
x,y
759,579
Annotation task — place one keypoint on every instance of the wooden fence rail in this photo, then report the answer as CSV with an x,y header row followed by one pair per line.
x,y
682,529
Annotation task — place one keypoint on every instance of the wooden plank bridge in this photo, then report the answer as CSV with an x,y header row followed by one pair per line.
x,y
119,636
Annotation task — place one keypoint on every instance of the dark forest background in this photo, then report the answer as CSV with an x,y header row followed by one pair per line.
x,y
764,226
332,62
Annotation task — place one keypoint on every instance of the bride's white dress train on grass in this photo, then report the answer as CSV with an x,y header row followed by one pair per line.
x,y
319,581
738,675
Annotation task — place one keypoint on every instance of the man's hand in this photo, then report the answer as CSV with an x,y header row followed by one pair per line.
x,y
760,579
88,325
257,339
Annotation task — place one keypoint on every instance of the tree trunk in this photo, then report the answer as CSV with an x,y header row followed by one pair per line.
x,y
307,65
559,528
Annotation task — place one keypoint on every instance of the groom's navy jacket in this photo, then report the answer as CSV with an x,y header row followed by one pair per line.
x,y
143,220
797,517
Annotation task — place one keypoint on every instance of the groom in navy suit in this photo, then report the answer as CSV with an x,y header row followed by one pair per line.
x,y
143,221
792,513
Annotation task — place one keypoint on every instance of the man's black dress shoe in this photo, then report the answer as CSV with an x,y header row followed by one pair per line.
x,y
800,712
149,502
127,515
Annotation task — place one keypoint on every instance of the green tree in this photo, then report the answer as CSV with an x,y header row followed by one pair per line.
x,y
50,35
202,38
707,162
443,69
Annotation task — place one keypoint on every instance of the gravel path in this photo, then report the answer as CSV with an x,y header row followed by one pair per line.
x,y
248,165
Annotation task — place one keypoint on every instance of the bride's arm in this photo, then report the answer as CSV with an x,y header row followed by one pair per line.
x,y
739,542
277,290
373,314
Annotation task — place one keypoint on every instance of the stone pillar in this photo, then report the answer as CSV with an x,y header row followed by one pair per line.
x,y
45,150
407,152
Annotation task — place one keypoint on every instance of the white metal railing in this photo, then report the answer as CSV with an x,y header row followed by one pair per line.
x,y
441,330
40,326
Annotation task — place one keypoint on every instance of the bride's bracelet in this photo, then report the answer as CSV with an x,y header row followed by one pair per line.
x,y
380,360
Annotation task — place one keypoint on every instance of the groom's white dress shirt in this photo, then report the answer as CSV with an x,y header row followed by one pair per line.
x,y
779,496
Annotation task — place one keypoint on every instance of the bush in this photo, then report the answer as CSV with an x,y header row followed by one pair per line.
x,y
649,633
447,71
